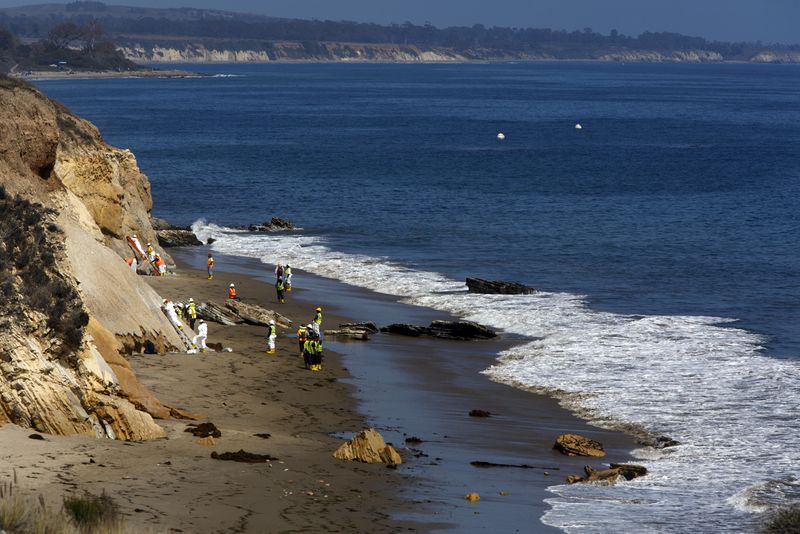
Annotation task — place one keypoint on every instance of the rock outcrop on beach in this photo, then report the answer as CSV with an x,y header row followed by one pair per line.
x,y
275,224
368,446
360,331
610,476
576,445
71,307
455,330
479,285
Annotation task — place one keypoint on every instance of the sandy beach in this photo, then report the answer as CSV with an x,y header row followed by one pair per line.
x,y
405,387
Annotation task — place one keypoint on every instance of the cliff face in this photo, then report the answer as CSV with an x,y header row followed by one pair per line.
x,y
71,306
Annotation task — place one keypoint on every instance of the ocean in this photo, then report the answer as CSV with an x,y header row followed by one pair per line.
x,y
662,235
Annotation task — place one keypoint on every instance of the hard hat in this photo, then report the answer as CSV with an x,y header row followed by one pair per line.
x,y
191,299
309,325
272,321
231,285
134,235
202,321
319,309
163,301
148,244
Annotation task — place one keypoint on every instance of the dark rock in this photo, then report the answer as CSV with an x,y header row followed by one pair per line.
x,y
576,445
478,285
659,442
275,224
243,456
455,330
349,334
216,347
177,238
210,241
460,330
405,330
479,413
161,224
37,437
413,440
263,436
204,430
478,463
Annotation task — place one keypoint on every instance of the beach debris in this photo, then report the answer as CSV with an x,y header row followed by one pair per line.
x,y
472,496
479,285
216,346
504,493
576,445
256,315
203,430
413,440
659,442
208,441
37,437
368,446
480,413
501,136
244,456
263,435
455,330
627,471
478,463
219,314
578,126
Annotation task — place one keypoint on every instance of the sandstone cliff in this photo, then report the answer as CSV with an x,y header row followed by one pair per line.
x,y
71,306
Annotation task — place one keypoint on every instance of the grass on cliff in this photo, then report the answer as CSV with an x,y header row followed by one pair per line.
x,y
30,278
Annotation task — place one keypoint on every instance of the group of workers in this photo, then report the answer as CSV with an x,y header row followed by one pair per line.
x,y
309,336
147,253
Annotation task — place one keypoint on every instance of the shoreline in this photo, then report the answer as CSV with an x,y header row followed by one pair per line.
x,y
40,75
425,388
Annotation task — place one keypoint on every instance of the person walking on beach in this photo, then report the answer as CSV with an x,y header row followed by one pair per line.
x,y
316,324
314,350
279,289
271,336
310,350
199,341
288,274
278,271
210,267
191,312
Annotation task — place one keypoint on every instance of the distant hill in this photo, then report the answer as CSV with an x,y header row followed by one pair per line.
x,y
188,34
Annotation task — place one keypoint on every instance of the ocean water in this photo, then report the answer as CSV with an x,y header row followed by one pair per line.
x,y
663,236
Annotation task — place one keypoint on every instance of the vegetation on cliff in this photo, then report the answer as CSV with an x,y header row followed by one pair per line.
x,y
67,46
175,28
29,277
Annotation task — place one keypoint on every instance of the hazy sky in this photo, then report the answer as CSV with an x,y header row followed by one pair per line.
x,y
729,20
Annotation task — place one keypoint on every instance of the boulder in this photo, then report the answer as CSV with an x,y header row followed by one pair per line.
x,y
630,471
204,430
460,330
219,314
478,285
256,315
575,445
369,447
177,238
659,442
243,456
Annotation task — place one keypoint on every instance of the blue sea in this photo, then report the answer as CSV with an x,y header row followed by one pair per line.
x,y
663,235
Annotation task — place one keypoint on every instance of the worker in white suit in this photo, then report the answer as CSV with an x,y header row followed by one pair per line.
x,y
199,341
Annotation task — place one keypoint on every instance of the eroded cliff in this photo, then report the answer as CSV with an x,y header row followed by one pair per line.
x,y
71,307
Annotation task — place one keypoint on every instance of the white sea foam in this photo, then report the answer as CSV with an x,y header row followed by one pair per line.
x,y
699,380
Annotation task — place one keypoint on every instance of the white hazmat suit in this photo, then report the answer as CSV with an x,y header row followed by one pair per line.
x,y
199,340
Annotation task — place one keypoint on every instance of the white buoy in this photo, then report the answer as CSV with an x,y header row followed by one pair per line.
x,y
578,126
501,136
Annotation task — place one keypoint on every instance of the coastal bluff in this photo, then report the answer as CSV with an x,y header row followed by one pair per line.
x,y
71,307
